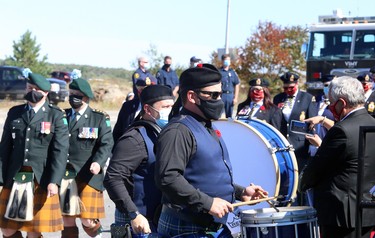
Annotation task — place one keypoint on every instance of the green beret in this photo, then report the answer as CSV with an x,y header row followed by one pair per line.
x,y
154,93
83,86
40,81
203,75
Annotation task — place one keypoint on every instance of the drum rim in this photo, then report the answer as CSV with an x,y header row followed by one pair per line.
x,y
268,145
292,155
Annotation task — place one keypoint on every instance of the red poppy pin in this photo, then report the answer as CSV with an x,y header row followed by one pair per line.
x,y
218,133
280,105
262,108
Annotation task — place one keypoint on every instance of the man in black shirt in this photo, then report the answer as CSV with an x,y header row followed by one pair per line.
x,y
192,167
130,175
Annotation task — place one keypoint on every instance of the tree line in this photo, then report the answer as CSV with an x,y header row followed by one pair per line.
x,y
269,51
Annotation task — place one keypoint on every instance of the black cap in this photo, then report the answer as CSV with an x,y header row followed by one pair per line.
x,y
328,78
365,78
289,78
259,82
154,93
194,59
203,75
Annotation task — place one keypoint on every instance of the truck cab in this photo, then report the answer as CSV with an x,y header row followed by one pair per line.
x,y
339,46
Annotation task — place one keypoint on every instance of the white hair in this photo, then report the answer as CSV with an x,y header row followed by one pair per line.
x,y
347,88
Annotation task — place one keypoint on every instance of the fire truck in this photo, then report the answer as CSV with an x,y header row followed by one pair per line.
x,y
339,46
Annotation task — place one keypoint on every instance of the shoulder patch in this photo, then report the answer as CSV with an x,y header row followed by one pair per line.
x,y
136,75
101,112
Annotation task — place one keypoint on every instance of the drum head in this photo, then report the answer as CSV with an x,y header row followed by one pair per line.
x,y
251,157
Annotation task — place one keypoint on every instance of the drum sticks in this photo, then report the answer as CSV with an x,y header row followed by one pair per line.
x,y
268,201
252,202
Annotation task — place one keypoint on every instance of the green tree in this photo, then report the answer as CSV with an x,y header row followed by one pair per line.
x,y
272,50
26,53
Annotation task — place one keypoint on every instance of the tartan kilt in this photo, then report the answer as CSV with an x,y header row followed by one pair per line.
x,y
47,213
92,201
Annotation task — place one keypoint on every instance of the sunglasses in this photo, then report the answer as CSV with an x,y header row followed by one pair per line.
x,y
213,95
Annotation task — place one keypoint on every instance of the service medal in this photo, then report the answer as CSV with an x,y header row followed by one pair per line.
x,y
371,107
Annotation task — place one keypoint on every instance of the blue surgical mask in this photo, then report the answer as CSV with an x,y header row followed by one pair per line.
x,y
226,63
163,117
326,90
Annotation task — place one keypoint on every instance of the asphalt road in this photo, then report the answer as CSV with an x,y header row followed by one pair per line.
x,y
109,205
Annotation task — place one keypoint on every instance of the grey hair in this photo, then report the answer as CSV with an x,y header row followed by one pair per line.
x,y
347,88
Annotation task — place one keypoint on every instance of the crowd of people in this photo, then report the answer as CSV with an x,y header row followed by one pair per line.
x,y
169,170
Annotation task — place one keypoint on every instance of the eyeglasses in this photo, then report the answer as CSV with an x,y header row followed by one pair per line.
x,y
213,95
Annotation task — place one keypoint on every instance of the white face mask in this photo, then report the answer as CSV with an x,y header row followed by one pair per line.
x,y
146,65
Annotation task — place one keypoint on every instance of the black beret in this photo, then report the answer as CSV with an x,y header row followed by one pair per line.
x,y
83,86
40,81
372,69
365,77
289,77
203,75
154,93
328,78
259,82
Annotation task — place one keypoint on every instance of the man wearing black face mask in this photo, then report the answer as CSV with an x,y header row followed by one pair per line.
x,y
33,152
192,161
167,76
91,143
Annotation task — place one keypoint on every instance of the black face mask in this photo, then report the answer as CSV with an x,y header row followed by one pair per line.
x,y
167,65
211,109
75,101
34,96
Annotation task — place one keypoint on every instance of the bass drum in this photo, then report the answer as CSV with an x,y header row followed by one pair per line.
x,y
261,155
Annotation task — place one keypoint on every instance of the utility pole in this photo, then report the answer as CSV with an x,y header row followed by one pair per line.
x,y
227,29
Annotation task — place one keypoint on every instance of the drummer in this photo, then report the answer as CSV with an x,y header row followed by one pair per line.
x,y
192,168
258,104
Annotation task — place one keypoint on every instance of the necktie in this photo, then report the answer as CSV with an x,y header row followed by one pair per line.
x,y
31,114
252,109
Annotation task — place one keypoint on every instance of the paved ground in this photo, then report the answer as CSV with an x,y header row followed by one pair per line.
x,y
109,205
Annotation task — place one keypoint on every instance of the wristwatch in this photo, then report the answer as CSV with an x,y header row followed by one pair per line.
x,y
133,215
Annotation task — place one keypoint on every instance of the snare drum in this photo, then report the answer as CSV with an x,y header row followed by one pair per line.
x,y
261,155
291,222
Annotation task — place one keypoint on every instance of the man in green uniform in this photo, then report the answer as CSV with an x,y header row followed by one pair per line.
x,y
91,143
33,150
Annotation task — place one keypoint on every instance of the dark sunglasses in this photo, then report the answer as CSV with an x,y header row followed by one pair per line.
x,y
213,95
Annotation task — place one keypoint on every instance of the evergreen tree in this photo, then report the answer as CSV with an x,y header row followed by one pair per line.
x,y
26,54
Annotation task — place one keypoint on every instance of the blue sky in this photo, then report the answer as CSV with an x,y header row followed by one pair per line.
x,y
114,33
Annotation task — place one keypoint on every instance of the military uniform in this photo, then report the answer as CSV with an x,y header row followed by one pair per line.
x,y
370,95
145,76
301,106
42,145
229,80
91,141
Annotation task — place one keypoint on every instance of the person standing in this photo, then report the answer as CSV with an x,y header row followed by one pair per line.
x,y
33,152
91,143
295,105
128,112
194,61
230,85
367,82
167,76
143,73
192,160
258,104
332,173
129,178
